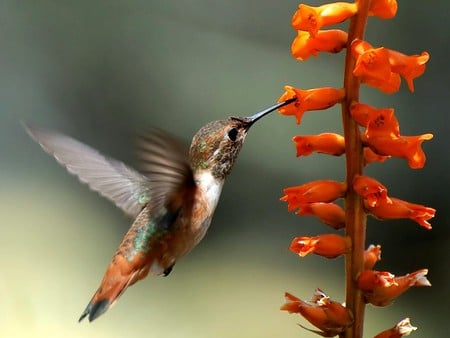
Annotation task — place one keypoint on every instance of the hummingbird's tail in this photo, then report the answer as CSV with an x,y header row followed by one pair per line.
x,y
118,277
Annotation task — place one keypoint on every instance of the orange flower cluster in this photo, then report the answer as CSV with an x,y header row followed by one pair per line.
x,y
381,68
382,134
331,317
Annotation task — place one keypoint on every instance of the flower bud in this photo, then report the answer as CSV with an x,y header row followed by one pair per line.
x,y
325,143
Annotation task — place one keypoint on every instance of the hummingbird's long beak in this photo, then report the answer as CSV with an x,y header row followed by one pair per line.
x,y
252,119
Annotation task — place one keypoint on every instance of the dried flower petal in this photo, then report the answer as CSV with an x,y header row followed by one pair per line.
x,y
310,99
384,9
329,213
371,190
311,19
401,209
368,280
315,191
403,328
326,143
305,45
327,245
330,317
371,256
381,288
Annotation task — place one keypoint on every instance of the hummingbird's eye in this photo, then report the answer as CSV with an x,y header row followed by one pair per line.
x,y
232,134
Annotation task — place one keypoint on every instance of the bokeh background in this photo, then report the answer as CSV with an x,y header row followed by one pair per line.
x,y
103,70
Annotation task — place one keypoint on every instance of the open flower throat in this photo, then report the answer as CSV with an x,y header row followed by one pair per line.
x,y
371,134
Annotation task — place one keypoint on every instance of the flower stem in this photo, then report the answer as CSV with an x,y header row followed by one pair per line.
x,y
355,215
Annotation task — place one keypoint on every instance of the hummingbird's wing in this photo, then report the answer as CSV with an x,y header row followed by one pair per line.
x,y
164,161
124,186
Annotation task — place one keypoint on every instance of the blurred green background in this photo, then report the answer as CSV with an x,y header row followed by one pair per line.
x,y
103,70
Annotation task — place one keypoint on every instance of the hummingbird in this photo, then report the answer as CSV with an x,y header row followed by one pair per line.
x,y
172,197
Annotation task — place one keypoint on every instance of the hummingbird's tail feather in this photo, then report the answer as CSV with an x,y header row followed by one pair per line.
x,y
95,309
113,285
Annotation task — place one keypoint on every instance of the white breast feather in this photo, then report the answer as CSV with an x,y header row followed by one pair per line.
x,y
211,186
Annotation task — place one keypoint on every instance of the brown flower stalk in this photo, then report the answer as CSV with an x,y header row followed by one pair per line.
x,y
380,139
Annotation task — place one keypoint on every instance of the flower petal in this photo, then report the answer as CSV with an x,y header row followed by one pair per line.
x,y
371,256
371,190
329,213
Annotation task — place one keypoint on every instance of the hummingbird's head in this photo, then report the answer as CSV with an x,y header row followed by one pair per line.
x,y
216,146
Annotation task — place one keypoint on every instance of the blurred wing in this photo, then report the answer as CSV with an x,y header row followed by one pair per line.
x,y
164,161
124,186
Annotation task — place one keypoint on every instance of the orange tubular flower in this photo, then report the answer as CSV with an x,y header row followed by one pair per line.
x,y
401,209
329,213
328,245
330,317
371,256
408,147
310,99
325,143
384,9
315,191
371,190
380,288
403,328
311,19
305,45
409,67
